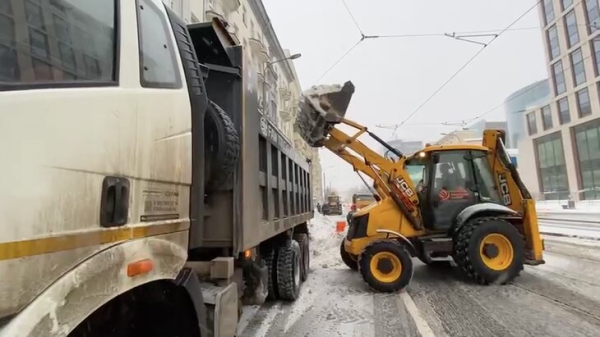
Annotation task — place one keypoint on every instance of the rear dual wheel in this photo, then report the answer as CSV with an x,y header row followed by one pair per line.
x,y
288,267
303,241
386,266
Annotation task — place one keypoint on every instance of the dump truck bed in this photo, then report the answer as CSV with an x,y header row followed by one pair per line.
x,y
270,192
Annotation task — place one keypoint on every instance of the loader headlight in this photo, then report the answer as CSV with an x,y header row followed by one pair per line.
x,y
422,154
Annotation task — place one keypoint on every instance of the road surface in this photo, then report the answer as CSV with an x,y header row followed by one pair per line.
x,y
570,223
561,298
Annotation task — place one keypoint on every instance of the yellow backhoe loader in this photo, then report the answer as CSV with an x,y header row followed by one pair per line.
x,y
464,203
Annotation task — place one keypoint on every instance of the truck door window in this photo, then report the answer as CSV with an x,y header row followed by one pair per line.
x,y
57,43
158,66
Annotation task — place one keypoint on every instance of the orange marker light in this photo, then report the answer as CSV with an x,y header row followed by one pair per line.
x,y
140,267
247,253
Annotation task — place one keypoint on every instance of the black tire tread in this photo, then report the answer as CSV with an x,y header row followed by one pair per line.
x,y
303,242
270,259
286,288
461,251
223,163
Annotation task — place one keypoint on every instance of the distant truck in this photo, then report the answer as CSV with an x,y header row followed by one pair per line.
x,y
333,206
143,191
359,201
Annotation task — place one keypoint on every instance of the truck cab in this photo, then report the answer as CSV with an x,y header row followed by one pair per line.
x,y
122,132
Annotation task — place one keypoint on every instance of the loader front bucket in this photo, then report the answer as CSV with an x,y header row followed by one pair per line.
x,y
320,108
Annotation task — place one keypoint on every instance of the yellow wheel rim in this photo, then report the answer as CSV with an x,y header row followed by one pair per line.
x,y
385,267
496,251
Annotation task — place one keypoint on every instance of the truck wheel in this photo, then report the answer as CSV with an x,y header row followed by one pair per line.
x,y
386,266
270,260
222,147
348,259
489,250
303,242
288,272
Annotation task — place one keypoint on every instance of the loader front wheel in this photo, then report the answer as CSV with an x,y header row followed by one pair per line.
x,y
489,250
349,260
386,266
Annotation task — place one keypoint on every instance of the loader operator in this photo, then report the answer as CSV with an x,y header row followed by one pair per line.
x,y
452,184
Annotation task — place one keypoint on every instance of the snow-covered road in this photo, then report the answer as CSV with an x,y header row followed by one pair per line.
x,y
560,298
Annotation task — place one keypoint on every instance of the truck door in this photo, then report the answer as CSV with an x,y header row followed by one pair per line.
x,y
95,143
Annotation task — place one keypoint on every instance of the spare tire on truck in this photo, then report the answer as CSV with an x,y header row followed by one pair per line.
x,y
222,148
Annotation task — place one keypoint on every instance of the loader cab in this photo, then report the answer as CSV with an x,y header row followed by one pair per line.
x,y
448,180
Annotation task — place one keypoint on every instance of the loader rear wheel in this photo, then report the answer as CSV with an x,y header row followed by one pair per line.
x,y
288,272
489,250
222,147
303,241
349,260
386,266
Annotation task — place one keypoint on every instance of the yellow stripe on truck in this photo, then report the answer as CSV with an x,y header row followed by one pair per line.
x,y
25,248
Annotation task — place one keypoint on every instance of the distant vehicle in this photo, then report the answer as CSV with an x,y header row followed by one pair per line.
x,y
333,205
359,200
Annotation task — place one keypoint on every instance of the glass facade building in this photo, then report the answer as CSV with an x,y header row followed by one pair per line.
x,y
516,104
559,151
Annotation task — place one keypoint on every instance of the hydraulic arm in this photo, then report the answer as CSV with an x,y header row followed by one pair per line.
x,y
320,123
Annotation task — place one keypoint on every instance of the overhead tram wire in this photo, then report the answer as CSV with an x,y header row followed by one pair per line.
x,y
466,64
565,69
415,35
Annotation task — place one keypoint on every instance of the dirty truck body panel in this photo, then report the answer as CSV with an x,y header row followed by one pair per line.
x,y
271,191
65,147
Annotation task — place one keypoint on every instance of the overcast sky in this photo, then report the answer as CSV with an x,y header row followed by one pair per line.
x,y
394,76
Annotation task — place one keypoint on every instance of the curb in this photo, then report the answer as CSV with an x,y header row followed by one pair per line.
x,y
571,236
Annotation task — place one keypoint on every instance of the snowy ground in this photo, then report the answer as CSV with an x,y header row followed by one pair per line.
x,y
560,298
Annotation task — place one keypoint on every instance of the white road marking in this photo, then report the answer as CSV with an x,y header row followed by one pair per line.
x,y
420,322
247,313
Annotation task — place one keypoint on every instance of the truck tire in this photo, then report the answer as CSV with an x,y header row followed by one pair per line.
x,y
303,242
349,260
288,272
222,147
489,250
270,259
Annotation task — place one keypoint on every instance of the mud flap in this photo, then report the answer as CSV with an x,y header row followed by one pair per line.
x,y
319,109
222,305
256,274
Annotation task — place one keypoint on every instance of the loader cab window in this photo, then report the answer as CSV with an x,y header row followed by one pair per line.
x,y
486,185
158,65
453,186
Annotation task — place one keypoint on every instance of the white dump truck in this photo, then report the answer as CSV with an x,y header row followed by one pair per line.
x,y
142,191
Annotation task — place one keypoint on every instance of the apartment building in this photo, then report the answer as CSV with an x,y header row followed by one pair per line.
x,y
560,156
269,67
